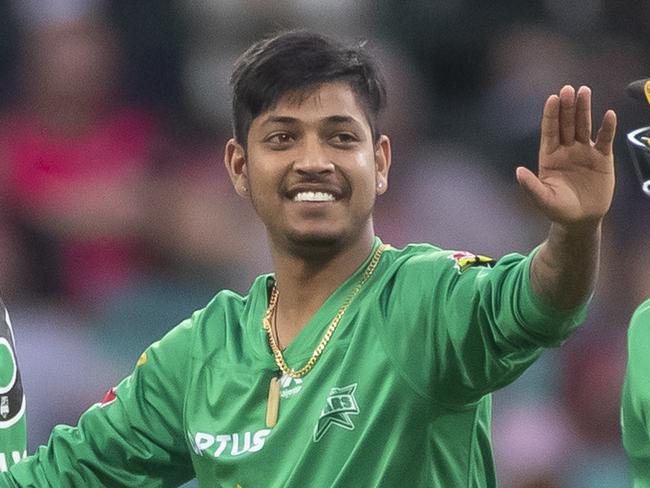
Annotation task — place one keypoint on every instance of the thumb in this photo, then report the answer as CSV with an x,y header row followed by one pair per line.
x,y
534,188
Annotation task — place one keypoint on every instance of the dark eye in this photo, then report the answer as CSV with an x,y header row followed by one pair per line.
x,y
344,139
279,140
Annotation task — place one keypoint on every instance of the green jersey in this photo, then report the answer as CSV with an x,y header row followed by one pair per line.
x,y
399,397
635,410
13,433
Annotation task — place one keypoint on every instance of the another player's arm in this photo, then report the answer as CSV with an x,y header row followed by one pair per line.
x,y
135,437
13,435
574,189
635,404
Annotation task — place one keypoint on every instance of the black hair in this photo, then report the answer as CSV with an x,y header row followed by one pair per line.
x,y
298,60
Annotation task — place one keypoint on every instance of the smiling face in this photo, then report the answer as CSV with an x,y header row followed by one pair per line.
x,y
312,169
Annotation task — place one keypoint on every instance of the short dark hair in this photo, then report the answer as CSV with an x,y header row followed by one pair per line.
x,y
298,60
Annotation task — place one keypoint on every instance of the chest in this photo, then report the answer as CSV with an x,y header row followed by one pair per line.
x,y
341,407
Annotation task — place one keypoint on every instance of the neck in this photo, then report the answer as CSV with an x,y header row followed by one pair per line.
x,y
304,283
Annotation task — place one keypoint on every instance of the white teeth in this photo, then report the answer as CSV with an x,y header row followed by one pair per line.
x,y
313,196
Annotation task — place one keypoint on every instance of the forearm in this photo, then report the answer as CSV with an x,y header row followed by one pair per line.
x,y
564,270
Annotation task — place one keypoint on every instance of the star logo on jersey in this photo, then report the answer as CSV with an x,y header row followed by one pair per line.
x,y
340,405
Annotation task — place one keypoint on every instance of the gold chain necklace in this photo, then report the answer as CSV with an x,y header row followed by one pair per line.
x,y
274,389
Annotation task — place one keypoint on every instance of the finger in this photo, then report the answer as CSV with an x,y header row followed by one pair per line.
x,y
567,115
583,115
533,186
550,138
605,137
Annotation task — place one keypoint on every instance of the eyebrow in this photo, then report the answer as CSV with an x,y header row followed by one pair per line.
x,y
280,119
341,119
332,119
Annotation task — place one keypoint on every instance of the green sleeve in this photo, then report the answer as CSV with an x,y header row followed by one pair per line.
x,y
635,411
134,437
467,331
13,435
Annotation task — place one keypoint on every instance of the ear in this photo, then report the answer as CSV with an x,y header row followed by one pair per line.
x,y
235,160
383,158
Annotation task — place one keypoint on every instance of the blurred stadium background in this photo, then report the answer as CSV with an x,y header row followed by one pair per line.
x,y
117,219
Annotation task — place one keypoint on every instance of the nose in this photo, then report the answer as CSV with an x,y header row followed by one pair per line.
x,y
313,158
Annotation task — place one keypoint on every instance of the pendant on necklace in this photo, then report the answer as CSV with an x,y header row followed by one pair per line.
x,y
273,403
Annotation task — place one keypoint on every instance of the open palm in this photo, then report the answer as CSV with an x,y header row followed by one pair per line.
x,y
575,183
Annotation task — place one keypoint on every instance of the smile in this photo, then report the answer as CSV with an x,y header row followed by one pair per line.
x,y
313,196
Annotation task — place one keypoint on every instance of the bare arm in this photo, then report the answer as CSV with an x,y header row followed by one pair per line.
x,y
574,189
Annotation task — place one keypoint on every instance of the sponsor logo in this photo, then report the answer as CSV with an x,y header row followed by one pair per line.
x,y
289,386
340,405
465,260
234,444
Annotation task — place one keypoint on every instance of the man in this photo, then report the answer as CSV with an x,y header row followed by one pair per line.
x,y
354,364
636,397
13,438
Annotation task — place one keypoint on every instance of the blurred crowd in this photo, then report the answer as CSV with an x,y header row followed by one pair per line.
x,y
117,218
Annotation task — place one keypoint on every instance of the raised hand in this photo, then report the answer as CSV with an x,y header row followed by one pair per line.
x,y
575,183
